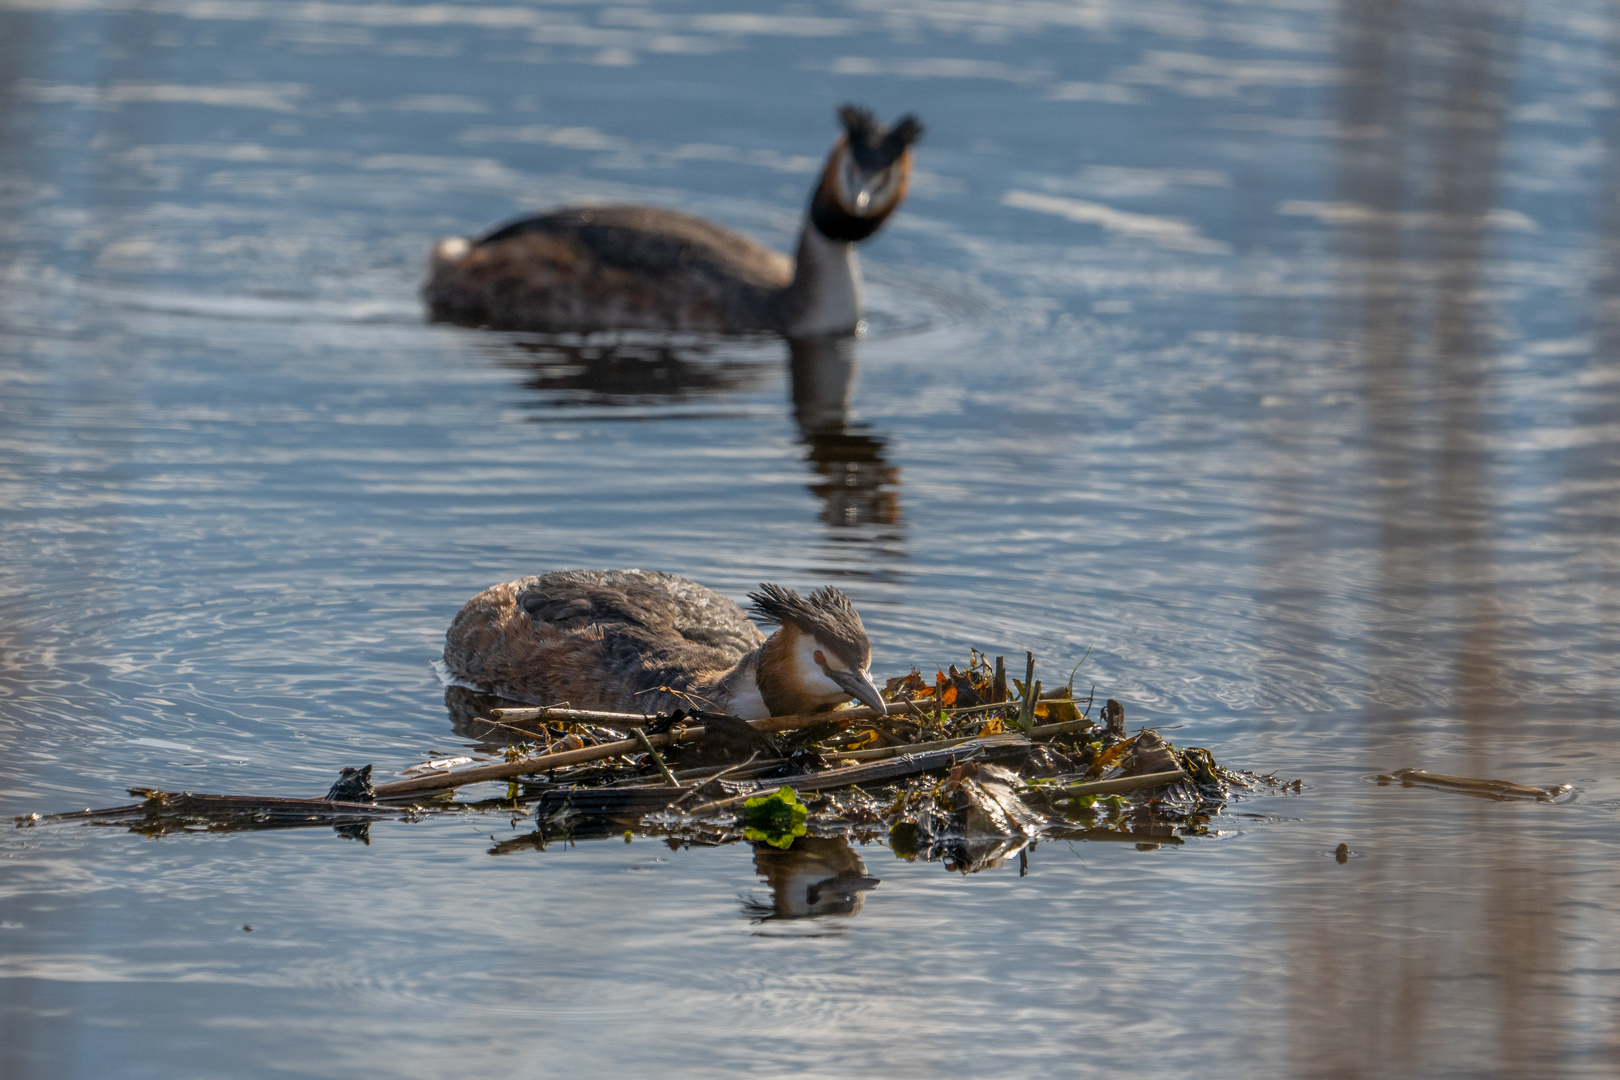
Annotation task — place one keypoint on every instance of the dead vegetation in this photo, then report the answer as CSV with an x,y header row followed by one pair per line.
x,y
969,768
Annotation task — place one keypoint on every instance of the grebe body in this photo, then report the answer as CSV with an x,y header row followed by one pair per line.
x,y
610,267
643,641
644,268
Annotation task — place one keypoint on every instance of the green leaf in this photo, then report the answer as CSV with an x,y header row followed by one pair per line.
x,y
775,819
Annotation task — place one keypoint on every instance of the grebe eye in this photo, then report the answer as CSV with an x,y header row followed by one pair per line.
x,y
821,658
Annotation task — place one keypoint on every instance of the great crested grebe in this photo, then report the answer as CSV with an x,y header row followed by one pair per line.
x,y
643,268
643,641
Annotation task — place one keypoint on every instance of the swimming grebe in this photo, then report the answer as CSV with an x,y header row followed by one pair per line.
x,y
642,268
643,641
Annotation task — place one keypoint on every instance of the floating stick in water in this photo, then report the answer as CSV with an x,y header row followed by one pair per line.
x,y
1502,790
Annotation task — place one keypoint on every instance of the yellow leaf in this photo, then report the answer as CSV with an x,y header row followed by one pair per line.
x,y
1059,712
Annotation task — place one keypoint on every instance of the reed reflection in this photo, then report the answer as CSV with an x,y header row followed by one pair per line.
x,y
1591,465
1406,964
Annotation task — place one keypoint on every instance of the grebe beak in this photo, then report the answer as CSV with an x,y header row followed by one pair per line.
x,y
858,684
863,194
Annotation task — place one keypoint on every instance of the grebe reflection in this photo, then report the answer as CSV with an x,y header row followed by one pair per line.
x,y
850,471
853,479
817,876
626,372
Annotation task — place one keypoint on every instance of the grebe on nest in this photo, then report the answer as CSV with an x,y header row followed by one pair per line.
x,y
642,268
645,642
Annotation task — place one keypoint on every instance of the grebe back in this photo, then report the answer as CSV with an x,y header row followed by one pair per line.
x,y
644,268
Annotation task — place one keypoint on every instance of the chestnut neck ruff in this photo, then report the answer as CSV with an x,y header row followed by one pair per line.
x,y
834,222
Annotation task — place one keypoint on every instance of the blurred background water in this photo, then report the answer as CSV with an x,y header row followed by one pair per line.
x,y
1265,349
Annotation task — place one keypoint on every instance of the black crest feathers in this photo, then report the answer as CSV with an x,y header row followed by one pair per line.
x,y
871,145
826,614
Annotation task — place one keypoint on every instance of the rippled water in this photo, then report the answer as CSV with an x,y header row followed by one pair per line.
x,y
1267,350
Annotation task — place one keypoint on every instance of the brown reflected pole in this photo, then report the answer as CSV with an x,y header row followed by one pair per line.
x,y
1415,961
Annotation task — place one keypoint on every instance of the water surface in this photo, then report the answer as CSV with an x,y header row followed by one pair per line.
x,y
1265,350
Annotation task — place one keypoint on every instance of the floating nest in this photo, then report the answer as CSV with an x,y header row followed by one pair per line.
x,y
968,768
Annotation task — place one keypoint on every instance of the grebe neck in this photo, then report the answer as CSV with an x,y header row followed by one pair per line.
x,y
736,692
825,297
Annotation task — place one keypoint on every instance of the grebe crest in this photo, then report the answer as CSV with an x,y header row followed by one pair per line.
x,y
646,268
643,641
819,655
866,176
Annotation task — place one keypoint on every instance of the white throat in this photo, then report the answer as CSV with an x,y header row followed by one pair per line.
x,y
743,698
827,287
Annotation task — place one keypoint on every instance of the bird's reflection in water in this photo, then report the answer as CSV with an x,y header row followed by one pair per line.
x,y
626,372
850,473
817,876
853,479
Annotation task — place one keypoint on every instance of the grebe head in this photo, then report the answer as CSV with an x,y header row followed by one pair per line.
x,y
820,655
866,175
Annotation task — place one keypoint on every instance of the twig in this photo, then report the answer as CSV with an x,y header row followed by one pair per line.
x,y
1042,730
878,753
576,716
914,763
713,773
657,759
1114,786
508,727
540,763
967,710
723,772
1026,709
1472,785
1092,836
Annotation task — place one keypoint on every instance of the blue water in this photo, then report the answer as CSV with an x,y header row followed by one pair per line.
x,y
1267,351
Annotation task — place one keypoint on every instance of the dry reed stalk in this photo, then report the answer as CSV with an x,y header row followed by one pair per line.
x,y
878,753
539,763
565,715
1116,785
657,758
